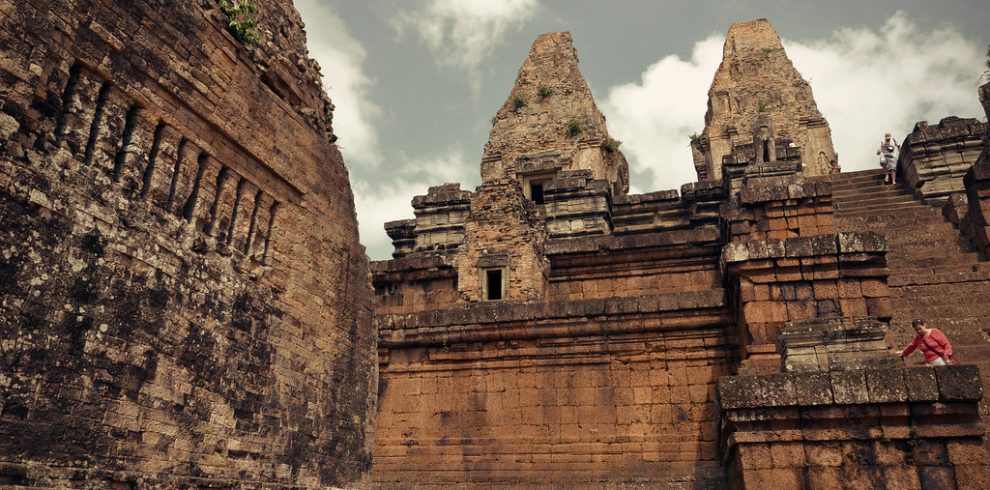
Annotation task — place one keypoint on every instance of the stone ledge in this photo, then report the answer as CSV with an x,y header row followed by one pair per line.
x,y
410,262
707,234
867,386
507,311
832,244
442,194
784,190
667,196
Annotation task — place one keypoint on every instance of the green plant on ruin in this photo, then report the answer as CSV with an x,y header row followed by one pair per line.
x,y
611,145
543,91
913,441
494,120
695,139
518,102
573,127
761,107
240,20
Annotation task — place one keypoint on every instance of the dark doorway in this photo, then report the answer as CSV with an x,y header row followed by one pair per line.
x,y
493,283
536,192
766,150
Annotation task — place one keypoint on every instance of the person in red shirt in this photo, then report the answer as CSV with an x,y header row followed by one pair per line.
x,y
932,342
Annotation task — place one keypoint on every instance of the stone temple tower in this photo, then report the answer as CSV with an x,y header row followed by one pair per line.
x,y
761,111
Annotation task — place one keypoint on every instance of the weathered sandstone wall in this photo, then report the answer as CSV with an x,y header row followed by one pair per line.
x,y
183,300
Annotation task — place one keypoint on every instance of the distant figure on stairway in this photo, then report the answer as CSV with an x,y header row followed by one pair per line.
x,y
888,158
933,344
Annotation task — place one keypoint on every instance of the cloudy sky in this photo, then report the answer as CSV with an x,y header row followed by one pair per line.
x,y
416,82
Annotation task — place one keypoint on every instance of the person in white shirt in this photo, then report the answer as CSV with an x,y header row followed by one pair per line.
x,y
888,158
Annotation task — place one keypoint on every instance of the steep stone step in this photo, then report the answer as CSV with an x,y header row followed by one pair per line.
x,y
904,212
873,202
912,310
926,276
860,175
930,246
939,299
906,208
875,182
956,290
936,264
855,194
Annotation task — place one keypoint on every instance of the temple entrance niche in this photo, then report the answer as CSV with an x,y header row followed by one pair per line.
x,y
763,145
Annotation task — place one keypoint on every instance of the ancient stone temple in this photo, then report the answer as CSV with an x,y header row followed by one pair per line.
x,y
183,299
761,114
549,329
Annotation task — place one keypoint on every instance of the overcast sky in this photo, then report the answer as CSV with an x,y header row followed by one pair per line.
x,y
416,82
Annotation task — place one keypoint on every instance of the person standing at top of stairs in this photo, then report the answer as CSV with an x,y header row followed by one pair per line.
x,y
888,158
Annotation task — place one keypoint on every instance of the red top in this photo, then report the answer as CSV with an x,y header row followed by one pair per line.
x,y
934,346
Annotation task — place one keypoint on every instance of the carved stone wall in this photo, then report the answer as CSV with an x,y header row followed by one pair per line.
x,y
934,159
184,303
876,428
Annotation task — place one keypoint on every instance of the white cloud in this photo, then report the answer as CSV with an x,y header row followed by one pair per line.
x,y
866,82
341,58
378,203
463,33
656,116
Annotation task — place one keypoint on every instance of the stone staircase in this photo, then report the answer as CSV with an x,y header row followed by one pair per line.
x,y
934,272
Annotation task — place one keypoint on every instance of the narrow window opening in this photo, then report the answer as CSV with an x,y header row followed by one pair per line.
x,y
536,192
766,150
493,284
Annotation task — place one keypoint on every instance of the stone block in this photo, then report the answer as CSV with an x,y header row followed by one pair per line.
x,y
972,476
886,385
813,388
921,384
936,477
959,383
776,248
857,242
849,387
773,390
735,252
799,247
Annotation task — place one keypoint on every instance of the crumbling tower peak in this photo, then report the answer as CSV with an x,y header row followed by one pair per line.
x,y
762,116
752,35
549,121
